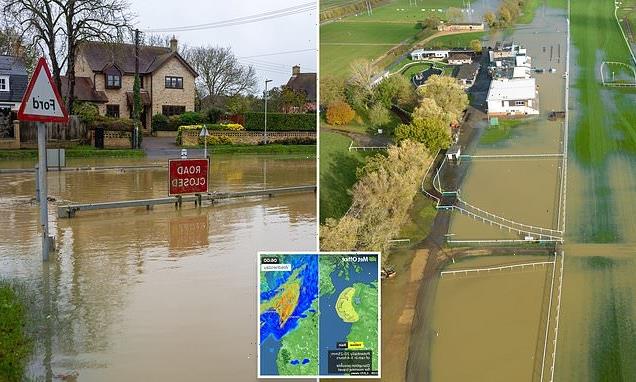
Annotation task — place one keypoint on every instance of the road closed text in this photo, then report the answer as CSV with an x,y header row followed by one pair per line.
x,y
188,176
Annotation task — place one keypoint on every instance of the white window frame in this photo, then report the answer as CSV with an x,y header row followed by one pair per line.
x,y
6,82
520,103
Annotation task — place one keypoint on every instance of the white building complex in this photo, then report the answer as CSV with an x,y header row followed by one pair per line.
x,y
512,96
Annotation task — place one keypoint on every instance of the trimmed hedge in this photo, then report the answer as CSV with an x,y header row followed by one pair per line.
x,y
280,122
213,126
112,124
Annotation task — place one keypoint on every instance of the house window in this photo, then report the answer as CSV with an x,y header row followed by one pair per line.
x,y
169,110
112,111
520,103
174,82
113,81
4,83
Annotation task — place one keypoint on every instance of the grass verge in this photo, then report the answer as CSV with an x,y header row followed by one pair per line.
x,y
260,149
75,152
15,347
338,168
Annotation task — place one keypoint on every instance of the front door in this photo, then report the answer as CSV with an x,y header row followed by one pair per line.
x,y
99,138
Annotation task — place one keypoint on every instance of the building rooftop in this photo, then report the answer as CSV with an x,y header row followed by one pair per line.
x,y
512,89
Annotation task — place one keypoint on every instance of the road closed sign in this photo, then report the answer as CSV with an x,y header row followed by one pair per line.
x,y
42,101
188,176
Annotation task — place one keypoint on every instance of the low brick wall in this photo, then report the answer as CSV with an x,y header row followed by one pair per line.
x,y
12,143
191,138
114,139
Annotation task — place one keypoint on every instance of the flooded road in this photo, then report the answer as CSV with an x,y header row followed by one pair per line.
x,y
157,295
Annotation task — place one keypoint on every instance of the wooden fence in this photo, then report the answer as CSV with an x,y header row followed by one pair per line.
x,y
74,131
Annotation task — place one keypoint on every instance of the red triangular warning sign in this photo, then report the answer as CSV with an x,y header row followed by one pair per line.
x,y
42,101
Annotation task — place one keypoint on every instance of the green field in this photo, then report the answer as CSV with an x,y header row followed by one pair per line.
x,y
455,40
389,25
489,326
337,174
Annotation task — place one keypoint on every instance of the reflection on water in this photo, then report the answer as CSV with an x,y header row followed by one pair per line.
x,y
163,294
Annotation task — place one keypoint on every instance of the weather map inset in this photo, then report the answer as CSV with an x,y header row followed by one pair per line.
x,y
319,314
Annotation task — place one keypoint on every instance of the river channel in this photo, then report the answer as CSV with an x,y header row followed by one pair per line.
x,y
161,294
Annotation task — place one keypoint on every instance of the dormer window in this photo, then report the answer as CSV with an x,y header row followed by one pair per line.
x,y
4,83
113,81
113,78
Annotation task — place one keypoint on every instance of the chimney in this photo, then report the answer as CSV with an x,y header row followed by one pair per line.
x,y
173,43
295,70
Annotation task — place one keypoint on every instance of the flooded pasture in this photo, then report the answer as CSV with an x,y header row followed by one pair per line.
x,y
161,294
487,326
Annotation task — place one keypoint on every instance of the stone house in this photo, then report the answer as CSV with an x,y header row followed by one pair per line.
x,y
105,75
306,83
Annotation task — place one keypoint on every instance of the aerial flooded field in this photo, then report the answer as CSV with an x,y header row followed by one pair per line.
x,y
481,331
598,337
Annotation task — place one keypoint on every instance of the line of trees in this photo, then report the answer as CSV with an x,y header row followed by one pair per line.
x,y
507,14
381,199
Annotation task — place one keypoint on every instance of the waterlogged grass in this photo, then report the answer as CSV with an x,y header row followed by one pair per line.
x,y
419,220
500,133
528,12
605,127
598,318
15,347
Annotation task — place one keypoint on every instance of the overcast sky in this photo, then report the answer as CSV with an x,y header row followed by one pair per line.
x,y
287,33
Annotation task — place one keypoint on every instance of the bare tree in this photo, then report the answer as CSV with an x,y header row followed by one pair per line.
x,y
41,22
220,72
60,25
13,44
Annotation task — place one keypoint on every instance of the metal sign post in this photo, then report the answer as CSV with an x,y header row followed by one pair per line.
x,y
42,103
42,187
204,134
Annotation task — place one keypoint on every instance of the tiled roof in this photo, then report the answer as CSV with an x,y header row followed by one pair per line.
x,y
100,55
304,82
84,90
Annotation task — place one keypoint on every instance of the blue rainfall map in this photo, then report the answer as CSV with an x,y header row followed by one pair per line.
x,y
319,314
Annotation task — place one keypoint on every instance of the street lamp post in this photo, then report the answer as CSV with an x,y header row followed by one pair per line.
x,y
265,135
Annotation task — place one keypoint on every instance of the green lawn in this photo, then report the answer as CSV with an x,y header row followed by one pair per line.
x,y
337,174
455,40
15,347
389,25
75,152
366,33
414,69
335,60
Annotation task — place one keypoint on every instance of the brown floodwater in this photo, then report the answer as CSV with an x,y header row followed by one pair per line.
x,y
156,295
525,190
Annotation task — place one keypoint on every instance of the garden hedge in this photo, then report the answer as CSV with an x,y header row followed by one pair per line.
x,y
280,122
